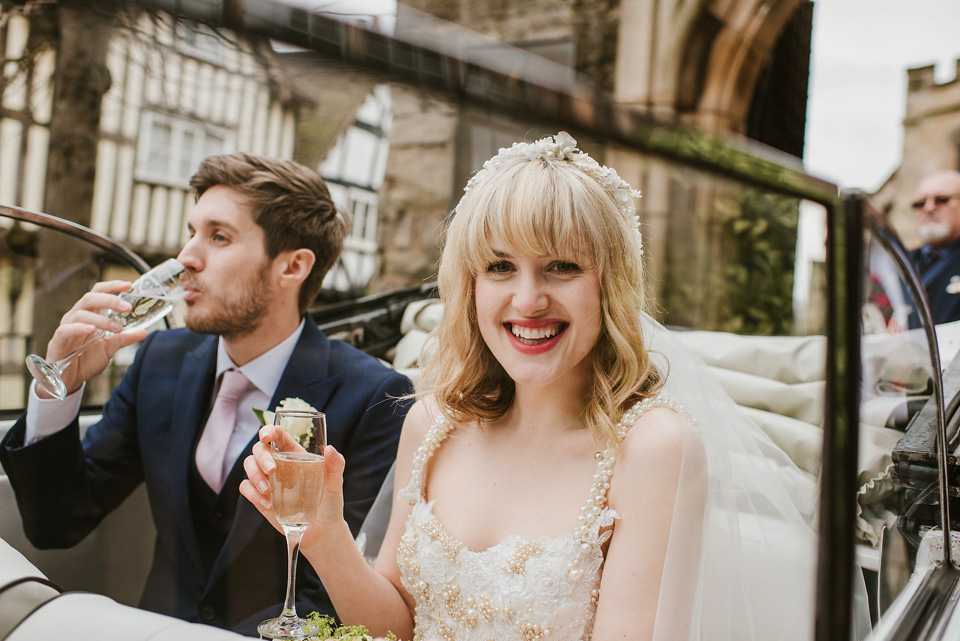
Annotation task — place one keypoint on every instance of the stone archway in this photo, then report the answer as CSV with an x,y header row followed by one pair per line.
x,y
700,63
740,51
697,60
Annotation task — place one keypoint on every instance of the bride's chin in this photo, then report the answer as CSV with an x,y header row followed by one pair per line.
x,y
540,378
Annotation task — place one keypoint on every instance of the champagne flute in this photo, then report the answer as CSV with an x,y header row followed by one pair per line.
x,y
295,489
151,297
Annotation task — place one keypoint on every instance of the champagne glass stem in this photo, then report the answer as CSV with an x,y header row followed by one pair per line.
x,y
64,362
294,535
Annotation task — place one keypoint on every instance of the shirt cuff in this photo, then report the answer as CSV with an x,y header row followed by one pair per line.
x,y
47,416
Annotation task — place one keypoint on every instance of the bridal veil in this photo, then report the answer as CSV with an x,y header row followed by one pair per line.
x,y
746,572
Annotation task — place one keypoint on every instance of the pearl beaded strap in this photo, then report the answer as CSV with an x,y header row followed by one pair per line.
x,y
438,432
591,510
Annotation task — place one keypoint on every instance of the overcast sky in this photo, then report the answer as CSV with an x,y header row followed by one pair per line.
x,y
861,51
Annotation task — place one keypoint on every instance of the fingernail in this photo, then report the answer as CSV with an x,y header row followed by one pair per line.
x,y
115,326
265,503
269,466
125,306
263,486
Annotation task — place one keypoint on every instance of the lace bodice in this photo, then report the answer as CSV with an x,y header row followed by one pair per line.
x,y
518,589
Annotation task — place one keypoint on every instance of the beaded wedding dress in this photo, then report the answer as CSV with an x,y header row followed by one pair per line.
x,y
518,589
741,567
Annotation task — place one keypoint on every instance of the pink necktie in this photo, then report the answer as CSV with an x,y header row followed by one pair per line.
x,y
212,447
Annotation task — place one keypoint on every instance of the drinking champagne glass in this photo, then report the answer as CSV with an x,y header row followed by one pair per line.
x,y
151,297
295,488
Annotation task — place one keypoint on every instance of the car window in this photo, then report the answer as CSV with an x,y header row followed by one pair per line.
x,y
897,376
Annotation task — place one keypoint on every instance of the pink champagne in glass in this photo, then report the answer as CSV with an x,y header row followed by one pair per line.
x,y
295,489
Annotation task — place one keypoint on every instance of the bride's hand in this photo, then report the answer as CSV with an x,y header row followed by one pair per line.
x,y
256,487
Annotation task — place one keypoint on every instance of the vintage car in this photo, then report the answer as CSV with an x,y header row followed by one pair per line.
x,y
897,508
836,358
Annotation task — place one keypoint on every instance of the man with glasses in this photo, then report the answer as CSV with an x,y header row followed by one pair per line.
x,y
937,208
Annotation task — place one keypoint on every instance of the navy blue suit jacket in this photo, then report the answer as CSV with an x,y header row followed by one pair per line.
x,y
148,433
941,279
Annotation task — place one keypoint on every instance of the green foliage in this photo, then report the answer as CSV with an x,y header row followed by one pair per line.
x,y
327,628
763,230
350,631
325,624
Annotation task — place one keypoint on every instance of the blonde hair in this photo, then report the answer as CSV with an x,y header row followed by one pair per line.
x,y
540,207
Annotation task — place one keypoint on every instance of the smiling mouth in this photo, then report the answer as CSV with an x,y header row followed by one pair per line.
x,y
536,335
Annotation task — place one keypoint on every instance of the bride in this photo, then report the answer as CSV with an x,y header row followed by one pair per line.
x,y
568,471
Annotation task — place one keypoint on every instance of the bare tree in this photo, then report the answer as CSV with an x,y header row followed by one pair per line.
x,y
79,37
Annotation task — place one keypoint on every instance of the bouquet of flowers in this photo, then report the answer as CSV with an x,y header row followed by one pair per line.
x,y
300,429
328,630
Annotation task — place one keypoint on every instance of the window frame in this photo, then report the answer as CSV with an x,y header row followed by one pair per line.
x,y
179,126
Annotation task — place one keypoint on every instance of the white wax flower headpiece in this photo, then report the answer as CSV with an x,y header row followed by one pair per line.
x,y
562,146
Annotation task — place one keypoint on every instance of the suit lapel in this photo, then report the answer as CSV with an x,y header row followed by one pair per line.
x,y
307,377
190,407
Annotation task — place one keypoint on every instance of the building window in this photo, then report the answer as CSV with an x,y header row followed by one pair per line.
x,y
354,170
170,149
199,41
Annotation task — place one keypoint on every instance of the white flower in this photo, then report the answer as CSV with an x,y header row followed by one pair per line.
x,y
565,144
435,567
296,404
544,584
301,429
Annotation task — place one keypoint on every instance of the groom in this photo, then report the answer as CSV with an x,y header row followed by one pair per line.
x,y
263,233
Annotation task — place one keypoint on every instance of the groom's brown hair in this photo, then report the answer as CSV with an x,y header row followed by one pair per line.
x,y
289,201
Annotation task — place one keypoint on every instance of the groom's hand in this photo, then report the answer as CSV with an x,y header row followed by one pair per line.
x,y
81,322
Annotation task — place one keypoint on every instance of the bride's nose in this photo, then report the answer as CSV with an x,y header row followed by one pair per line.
x,y
530,295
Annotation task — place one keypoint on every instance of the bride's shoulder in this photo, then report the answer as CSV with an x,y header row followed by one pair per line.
x,y
419,420
660,474
657,419
660,439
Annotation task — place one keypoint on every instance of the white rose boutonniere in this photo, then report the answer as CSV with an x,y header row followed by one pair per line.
x,y
300,429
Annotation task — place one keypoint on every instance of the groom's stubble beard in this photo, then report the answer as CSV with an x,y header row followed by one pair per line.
x,y
239,308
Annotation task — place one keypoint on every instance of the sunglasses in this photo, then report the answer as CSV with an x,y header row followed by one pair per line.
x,y
938,201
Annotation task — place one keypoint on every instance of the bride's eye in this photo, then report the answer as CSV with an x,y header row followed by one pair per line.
x,y
499,267
566,267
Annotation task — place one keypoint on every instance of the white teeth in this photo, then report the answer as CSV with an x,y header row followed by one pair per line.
x,y
535,333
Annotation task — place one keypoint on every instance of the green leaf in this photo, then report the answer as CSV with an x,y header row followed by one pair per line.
x,y
259,414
